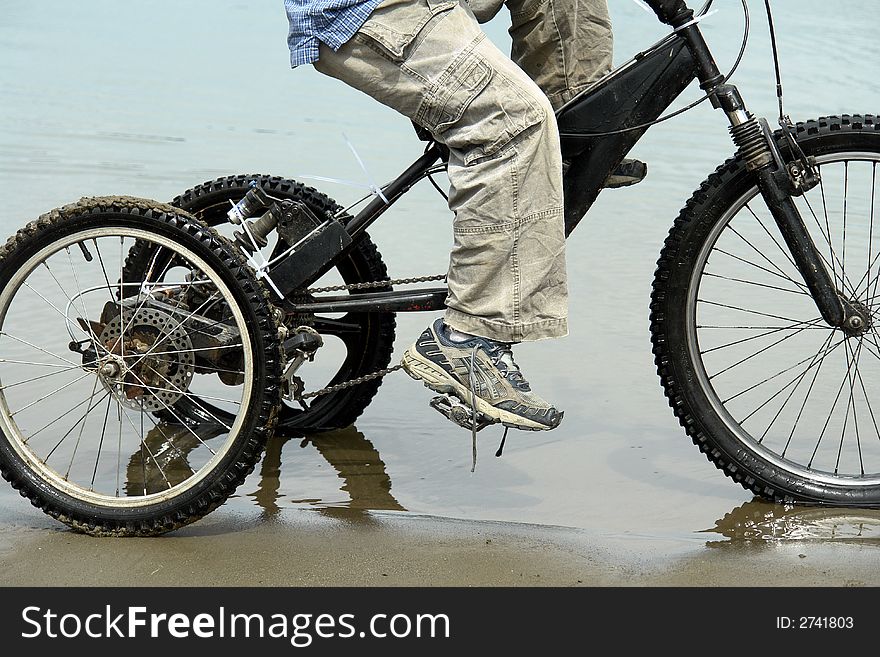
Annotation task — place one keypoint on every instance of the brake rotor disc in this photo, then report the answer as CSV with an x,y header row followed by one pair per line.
x,y
152,365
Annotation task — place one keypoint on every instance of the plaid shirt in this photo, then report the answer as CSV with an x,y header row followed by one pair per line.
x,y
332,22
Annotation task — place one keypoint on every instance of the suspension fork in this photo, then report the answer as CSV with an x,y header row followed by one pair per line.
x,y
756,145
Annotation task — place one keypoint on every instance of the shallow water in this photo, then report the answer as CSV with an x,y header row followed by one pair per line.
x,y
113,98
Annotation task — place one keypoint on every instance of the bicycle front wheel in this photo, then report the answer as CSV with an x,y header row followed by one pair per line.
x,y
89,355
781,402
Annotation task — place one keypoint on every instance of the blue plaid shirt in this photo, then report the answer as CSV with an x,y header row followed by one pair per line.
x,y
329,21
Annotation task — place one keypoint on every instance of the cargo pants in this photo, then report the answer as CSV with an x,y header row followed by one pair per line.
x,y
431,61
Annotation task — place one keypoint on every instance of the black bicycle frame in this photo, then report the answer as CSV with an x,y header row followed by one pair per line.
x,y
597,128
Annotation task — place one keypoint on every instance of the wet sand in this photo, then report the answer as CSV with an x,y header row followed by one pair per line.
x,y
344,547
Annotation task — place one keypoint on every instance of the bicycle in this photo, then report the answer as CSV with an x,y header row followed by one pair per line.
x,y
202,339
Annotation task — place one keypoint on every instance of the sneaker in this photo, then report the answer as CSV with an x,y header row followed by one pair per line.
x,y
502,393
628,172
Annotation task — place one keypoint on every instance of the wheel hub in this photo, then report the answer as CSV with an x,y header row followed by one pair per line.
x,y
858,320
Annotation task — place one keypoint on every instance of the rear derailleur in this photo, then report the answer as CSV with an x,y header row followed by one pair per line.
x,y
299,348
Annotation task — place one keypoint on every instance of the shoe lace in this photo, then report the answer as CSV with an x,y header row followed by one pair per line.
x,y
501,355
473,389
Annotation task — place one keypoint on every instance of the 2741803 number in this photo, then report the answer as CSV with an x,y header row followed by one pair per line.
x,y
825,622
814,622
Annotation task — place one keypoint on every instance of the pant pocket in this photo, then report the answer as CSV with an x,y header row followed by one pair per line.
x,y
452,93
395,24
477,109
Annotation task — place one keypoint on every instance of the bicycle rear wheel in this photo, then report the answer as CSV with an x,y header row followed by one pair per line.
x,y
780,401
90,355
355,343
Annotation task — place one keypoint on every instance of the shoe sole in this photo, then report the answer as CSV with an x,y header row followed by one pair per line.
x,y
615,182
436,379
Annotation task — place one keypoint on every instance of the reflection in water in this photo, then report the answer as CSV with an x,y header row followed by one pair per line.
x,y
759,521
163,462
164,458
354,458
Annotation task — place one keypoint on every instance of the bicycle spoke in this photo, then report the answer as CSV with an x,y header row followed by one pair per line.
x,y
793,390
75,424
143,445
30,362
182,422
875,354
782,250
118,443
81,428
844,279
830,413
104,270
37,401
845,187
851,405
746,310
779,373
746,261
868,403
170,442
759,252
51,422
37,378
143,460
760,335
767,285
48,353
57,282
82,301
807,396
827,225
103,432
799,377
872,282
52,305
814,324
871,224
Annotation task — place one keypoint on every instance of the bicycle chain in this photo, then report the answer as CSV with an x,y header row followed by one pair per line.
x,y
365,286
375,284
351,382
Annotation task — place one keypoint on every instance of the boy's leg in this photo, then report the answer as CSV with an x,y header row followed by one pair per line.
x,y
564,45
430,61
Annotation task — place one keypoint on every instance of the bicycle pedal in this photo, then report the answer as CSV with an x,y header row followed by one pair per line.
x,y
453,409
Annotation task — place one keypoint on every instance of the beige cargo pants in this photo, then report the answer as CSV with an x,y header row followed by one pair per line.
x,y
429,60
